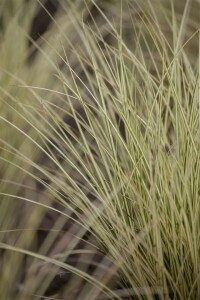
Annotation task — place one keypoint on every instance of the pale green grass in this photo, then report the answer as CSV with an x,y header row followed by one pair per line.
x,y
130,167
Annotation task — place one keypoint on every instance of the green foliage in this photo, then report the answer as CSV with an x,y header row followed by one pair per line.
x,y
106,119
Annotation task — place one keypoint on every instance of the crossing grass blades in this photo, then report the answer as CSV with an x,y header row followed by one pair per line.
x,y
99,151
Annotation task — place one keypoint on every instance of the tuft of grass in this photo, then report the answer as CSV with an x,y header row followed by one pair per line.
x,y
108,147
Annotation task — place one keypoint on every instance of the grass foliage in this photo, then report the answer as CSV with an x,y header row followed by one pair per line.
x,y
100,131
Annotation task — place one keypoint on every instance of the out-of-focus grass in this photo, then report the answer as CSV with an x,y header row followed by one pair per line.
x,y
106,119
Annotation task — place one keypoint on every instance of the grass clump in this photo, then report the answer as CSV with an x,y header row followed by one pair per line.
x,y
113,157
